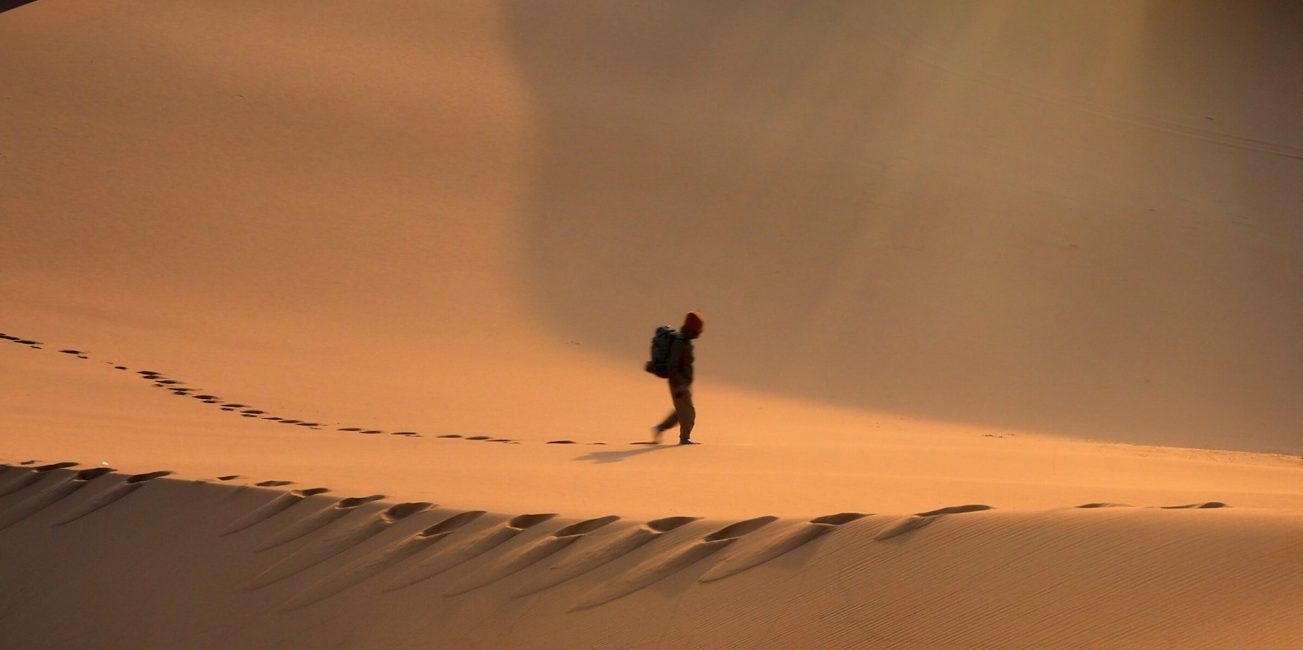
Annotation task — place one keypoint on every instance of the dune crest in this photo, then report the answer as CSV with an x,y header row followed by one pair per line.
x,y
334,303
1028,568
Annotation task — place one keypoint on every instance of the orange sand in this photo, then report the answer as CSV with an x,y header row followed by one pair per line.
x,y
966,268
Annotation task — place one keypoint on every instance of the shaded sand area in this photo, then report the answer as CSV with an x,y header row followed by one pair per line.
x,y
221,562
323,326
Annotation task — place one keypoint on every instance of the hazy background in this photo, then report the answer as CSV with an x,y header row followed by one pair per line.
x,y
1070,217
1080,217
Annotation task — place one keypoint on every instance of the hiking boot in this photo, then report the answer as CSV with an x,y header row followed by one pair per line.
x,y
686,441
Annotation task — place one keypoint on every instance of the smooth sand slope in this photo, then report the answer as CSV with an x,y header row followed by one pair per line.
x,y
322,326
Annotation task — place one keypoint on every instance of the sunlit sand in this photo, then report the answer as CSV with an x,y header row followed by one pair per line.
x,y
324,326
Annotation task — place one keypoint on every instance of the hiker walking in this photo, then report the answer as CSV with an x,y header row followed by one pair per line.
x,y
672,360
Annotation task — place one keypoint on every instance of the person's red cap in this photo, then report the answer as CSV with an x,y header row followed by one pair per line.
x,y
692,322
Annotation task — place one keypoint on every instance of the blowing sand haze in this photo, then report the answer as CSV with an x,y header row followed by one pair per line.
x,y
324,325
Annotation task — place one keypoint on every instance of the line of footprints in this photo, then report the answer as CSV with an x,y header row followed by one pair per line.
x,y
179,388
453,540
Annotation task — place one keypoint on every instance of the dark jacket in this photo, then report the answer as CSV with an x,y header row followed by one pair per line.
x,y
679,366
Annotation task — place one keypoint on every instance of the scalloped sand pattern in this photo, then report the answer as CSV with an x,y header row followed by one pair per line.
x,y
489,560
324,325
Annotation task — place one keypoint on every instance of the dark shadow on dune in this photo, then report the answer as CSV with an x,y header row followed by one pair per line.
x,y
603,457
6,5
866,220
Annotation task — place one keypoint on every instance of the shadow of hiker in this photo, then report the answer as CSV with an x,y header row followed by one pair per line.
x,y
601,457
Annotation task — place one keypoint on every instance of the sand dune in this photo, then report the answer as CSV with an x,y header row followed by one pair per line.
x,y
890,206
323,325
1116,576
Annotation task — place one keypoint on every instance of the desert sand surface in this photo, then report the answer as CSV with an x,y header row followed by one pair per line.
x,y
323,324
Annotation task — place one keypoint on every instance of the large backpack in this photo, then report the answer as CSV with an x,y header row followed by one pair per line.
x,y
661,342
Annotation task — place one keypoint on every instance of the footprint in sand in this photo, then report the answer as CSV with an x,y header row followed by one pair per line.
x,y
662,565
110,496
342,540
159,380
471,548
383,559
777,545
51,489
578,564
914,522
23,479
318,520
528,556
278,504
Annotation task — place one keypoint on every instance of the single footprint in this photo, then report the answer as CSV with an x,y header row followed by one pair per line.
x,y
1199,506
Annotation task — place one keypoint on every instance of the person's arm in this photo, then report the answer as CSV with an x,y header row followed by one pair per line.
x,y
674,366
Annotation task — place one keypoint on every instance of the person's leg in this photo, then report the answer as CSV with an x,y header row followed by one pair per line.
x,y
687,413
670,421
